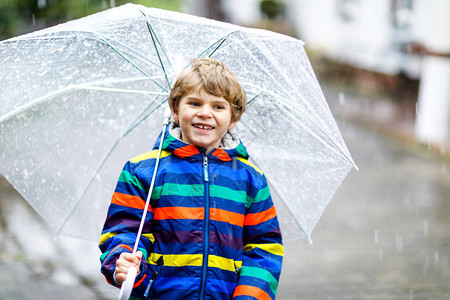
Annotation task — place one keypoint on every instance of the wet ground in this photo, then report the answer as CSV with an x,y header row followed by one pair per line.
x,y
385,235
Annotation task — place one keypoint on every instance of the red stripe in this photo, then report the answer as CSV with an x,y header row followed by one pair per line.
x,y
186,151
165,213
121,245
129,201
140,281
221,154
253,291
258,218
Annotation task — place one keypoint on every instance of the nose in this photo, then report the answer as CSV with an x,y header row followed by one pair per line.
x,y
205,111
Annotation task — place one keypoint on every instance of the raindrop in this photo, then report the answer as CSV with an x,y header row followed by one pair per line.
x,y
436,257
33,19
341,98
443,169
399,243
425,228
380,254
376,236
411,295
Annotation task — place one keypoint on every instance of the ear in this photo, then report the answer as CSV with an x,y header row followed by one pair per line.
x,y
175,116
232,124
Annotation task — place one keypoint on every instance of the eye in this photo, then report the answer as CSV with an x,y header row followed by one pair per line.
x,y
194,103
219,107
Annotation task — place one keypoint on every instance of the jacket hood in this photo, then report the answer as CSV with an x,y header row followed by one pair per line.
x,y
230,146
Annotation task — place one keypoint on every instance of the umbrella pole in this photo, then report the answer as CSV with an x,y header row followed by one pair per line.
x,y
127,286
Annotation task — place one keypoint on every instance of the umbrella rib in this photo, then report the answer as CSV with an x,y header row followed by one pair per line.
x,y
68,89
105,158
107,89
100,38
35,102
219,41
340,153
153,36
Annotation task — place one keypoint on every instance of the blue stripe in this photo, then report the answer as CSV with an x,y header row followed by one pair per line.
x,y
222,286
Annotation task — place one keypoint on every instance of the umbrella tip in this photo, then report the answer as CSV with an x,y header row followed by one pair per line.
x,y
167,113
310,240
356,167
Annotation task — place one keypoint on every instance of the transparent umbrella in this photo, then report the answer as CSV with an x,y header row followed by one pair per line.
x,y
79,99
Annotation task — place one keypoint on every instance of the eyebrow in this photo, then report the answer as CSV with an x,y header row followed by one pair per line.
x,y
213,101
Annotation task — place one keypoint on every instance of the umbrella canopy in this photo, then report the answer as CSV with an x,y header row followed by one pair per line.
x,y
79,99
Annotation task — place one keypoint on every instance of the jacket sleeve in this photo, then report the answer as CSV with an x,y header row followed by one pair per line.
x,y
122,224
263,249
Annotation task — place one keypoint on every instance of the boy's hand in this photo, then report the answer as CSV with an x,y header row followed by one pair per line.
x,y
125,261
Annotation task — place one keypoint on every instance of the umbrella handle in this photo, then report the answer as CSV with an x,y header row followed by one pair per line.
x,y
127,285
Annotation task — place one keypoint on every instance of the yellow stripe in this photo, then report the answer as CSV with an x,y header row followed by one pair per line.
x,y
150,236
149,155
182,260
223,263
250,164
276,249
106,236
177,260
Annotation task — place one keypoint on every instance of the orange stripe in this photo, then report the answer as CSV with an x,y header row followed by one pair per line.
x,y
186,151
165,213
248,290
258,218
129,201
217,214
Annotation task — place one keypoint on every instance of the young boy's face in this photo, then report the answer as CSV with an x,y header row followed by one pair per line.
x,y
204,119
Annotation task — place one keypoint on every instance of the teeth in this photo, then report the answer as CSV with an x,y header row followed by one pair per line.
x,y
203,127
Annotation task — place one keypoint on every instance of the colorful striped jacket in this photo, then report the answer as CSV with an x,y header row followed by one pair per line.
x,y
211,231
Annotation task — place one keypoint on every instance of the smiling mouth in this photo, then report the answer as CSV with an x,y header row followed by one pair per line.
x,y
204,127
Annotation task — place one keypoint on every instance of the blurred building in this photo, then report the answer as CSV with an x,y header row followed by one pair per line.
x,y
409,38
392,37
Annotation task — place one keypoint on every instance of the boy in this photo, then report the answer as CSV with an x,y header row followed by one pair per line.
x,y
211,230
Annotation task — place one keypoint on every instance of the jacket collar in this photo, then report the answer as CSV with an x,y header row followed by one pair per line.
x,y
230,146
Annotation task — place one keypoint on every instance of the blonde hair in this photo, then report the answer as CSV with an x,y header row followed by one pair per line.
x,y
213,77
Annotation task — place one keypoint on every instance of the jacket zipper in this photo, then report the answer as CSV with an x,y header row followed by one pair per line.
x,y
206,228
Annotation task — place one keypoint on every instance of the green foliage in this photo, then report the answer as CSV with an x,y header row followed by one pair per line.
x,y
21,16
271,8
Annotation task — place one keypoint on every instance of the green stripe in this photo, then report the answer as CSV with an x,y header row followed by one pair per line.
x,y
230,194
261,274
126,177
102,257
169,139
188,190
241,150
263,194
